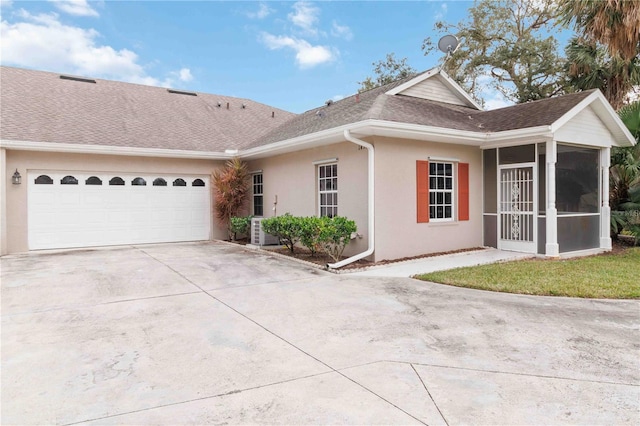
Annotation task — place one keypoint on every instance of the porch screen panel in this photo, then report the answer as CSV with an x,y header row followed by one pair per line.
x,y
516,205
578,232
490,185
577,180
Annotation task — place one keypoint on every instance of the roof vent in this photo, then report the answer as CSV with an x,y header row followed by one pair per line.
x,y
243,106
180,92
219,104
84,80
329,102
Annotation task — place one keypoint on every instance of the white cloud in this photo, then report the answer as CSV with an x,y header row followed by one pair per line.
x,y
440,14
43,42
307,55
341,31
75,7
185,75
495,100
6,3
305,16
337,98
262,12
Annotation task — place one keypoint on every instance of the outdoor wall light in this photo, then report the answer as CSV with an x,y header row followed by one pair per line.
x,y
16,179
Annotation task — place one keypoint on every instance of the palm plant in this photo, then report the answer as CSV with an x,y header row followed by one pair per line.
x,y
231,191
625,177
613,23
590,66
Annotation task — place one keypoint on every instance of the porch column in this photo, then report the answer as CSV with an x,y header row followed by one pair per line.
x,y
605,209
552,249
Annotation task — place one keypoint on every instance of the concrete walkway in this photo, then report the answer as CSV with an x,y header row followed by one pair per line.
x,y
442,263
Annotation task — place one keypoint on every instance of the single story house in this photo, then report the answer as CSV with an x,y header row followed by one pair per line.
x,y
417,164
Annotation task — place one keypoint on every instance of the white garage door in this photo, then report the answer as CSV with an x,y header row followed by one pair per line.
x,y
71,209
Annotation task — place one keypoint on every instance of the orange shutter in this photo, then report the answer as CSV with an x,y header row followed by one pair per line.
x,y
422,186
463,191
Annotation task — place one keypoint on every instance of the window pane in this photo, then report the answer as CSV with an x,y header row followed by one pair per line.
x,y
323,199
447,212
335,200
440,212
448,169
323,186
198,182
432,198
93,180
335,184
440,183
118,181
447,198
179,182
138,182
577,180
448,183
322,171
69,180
159,182
432,212
432,168
44,180
432,183
440,168
334,170
440,198
323,211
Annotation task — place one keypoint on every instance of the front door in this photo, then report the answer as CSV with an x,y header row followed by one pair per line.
x,y
517,206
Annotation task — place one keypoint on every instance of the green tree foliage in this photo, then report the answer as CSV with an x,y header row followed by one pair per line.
x,y
386,71
240,225
590,66
510,45
231,191
624,177
612,23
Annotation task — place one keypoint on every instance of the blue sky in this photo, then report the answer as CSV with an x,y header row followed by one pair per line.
x,y
291,55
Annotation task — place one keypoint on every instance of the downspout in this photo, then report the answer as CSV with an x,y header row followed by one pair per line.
x,y
371,181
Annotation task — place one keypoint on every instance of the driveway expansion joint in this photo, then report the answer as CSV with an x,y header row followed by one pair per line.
x,y
430,396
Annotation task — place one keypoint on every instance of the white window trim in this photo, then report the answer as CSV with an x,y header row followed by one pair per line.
x,y
453,190
325,164
253,194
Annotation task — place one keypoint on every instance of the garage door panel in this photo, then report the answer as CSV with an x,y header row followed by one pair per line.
x,y
63,216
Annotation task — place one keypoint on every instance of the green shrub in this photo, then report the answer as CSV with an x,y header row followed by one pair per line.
x,y
285,227
335,234
310,228
240,225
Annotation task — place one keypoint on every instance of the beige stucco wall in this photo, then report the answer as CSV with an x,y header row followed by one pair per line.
x,y
397,232
15,238
293,179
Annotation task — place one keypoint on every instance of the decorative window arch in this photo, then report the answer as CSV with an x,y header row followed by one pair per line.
x,y
93,180
139,182
43,180
159,182
116,180
198,182
69,180
179,182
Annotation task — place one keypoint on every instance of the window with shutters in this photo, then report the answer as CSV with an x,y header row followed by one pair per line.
x,y
440,191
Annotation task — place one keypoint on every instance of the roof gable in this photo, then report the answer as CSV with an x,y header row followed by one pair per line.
x,y
435,85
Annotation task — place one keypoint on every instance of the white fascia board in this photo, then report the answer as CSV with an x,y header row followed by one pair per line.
x,y
413,81
418,131
605,112
111,150
518,137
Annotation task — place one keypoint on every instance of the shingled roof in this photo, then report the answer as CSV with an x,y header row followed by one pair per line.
x,y
40,106
375,104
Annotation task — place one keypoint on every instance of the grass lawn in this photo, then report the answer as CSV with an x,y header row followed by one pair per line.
x,y
606,276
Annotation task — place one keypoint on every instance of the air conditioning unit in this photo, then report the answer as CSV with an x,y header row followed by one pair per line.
x,y
259,237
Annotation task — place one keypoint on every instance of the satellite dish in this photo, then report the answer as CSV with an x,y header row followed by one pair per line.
x,y
448,44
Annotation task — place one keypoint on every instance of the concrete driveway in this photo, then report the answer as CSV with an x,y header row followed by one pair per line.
x,y
208,333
